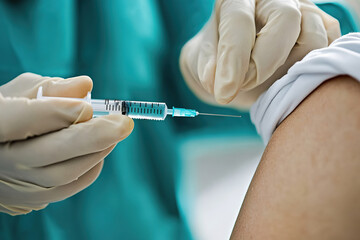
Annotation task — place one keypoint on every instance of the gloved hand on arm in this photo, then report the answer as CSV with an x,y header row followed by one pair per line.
x,y
50,149
248,44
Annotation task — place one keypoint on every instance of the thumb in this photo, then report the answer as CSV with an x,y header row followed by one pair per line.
x,y
22,118
27,85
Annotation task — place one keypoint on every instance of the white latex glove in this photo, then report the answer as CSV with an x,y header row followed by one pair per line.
x,y
248,44
51,149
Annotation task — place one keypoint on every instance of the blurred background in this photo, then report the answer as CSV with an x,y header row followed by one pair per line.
x,y
177,179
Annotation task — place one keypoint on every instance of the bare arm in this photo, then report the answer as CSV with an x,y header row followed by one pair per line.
x,y
307,185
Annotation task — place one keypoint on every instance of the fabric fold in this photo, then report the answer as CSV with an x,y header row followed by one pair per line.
x,y
342,57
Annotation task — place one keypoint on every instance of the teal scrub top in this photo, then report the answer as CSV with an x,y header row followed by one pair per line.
x,y
130,49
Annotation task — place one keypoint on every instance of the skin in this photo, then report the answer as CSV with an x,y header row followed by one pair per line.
x,y
307,185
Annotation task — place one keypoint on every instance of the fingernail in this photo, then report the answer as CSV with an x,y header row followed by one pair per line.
x,y
225,92
124,124
130,124
222,99
226,79
85,112
225,89
208,76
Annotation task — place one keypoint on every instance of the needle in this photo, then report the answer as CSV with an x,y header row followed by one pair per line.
x,y
219,115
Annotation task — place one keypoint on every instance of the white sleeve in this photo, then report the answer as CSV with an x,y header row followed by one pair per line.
x,y
342,57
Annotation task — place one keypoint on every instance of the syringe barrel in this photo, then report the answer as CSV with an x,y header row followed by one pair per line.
x,y
133,109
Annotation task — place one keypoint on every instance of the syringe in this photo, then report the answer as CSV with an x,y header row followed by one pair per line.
x,y
134,109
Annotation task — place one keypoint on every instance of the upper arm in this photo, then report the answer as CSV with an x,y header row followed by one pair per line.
x,y
307,185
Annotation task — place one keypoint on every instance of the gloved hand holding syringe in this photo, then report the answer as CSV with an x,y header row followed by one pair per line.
x,y
136,109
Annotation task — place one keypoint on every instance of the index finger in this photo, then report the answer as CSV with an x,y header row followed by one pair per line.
x,y
27,85
237,34
274,42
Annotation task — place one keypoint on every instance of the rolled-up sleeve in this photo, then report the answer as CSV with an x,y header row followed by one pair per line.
x,y
342,57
